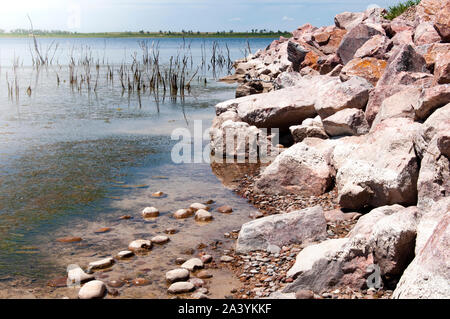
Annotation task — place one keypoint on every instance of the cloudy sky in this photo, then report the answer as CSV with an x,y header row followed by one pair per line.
x,y
175,15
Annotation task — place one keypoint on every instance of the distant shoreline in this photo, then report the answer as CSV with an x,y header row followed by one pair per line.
x,y
248,35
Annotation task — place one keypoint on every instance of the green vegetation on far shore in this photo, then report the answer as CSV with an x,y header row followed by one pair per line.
x,y
142,34
398,9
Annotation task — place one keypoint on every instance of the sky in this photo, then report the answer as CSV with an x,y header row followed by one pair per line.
x,y
175,15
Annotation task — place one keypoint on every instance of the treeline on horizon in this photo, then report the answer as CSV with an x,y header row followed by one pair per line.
x,y
142,33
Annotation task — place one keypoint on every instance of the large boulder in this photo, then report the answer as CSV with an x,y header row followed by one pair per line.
x,y
348,20
384,237
442,23
398,105
442,68
346,122
335,95
354,39
303,226
308,128
432,53
431,99
402,64
301,169
428,275
426,34
381,170
370,69
376,47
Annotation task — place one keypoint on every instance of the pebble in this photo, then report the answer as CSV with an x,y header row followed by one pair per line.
x,y
203,215
226,259
160,239
204,274
181,287
92,289
197,282
124,217
192,264
180,260
273,249
140,245
158,194
58,282
102,230
116,283
69,239
141,282
175,275
256,214
150,212
196,206
170,231
183,213
76,275
206,259
124,254
100,264
226,209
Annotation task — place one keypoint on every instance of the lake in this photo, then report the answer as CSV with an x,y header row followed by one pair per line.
x,y
86,138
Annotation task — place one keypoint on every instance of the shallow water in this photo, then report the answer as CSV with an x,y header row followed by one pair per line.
x,y
72,162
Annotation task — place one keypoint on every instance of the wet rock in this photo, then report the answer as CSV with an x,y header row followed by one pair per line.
x,y
125,217
150,212
368,68
301,169
192,264
160,239
140,282
354,39
77,275
158,194
203,215
69,239
60,282
101,264
196,206
170,231
92,290
116,283
301,226
175,275
140,245
346,122
181,287
183,213
102,230
226,209
180,260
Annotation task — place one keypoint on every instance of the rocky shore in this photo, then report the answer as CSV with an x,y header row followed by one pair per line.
x,y
356,205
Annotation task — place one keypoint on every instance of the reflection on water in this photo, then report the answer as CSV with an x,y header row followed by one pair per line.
x,y
73,162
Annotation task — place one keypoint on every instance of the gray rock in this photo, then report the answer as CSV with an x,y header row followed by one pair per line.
x,y
192,264
175,275
100,264
76,275
140,245
303,226
181,287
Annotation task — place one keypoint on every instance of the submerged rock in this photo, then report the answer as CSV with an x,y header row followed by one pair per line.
x,y
140,245
160,239
150,212
203,215
183,213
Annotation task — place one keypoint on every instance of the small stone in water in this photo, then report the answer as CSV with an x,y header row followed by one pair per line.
x,y
206,258
58,282
175,275
170,231
69,239
150,212
197,282
196,206
226,259
125,254
124,217
100,264
204,274
183,213
160,239
192,264
76,275
256,215
140,245
181,287
158,194
141,282
225,209
180,260
116,283
102,230
203,215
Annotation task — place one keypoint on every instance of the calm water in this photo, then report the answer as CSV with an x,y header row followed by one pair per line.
x,y
72,160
